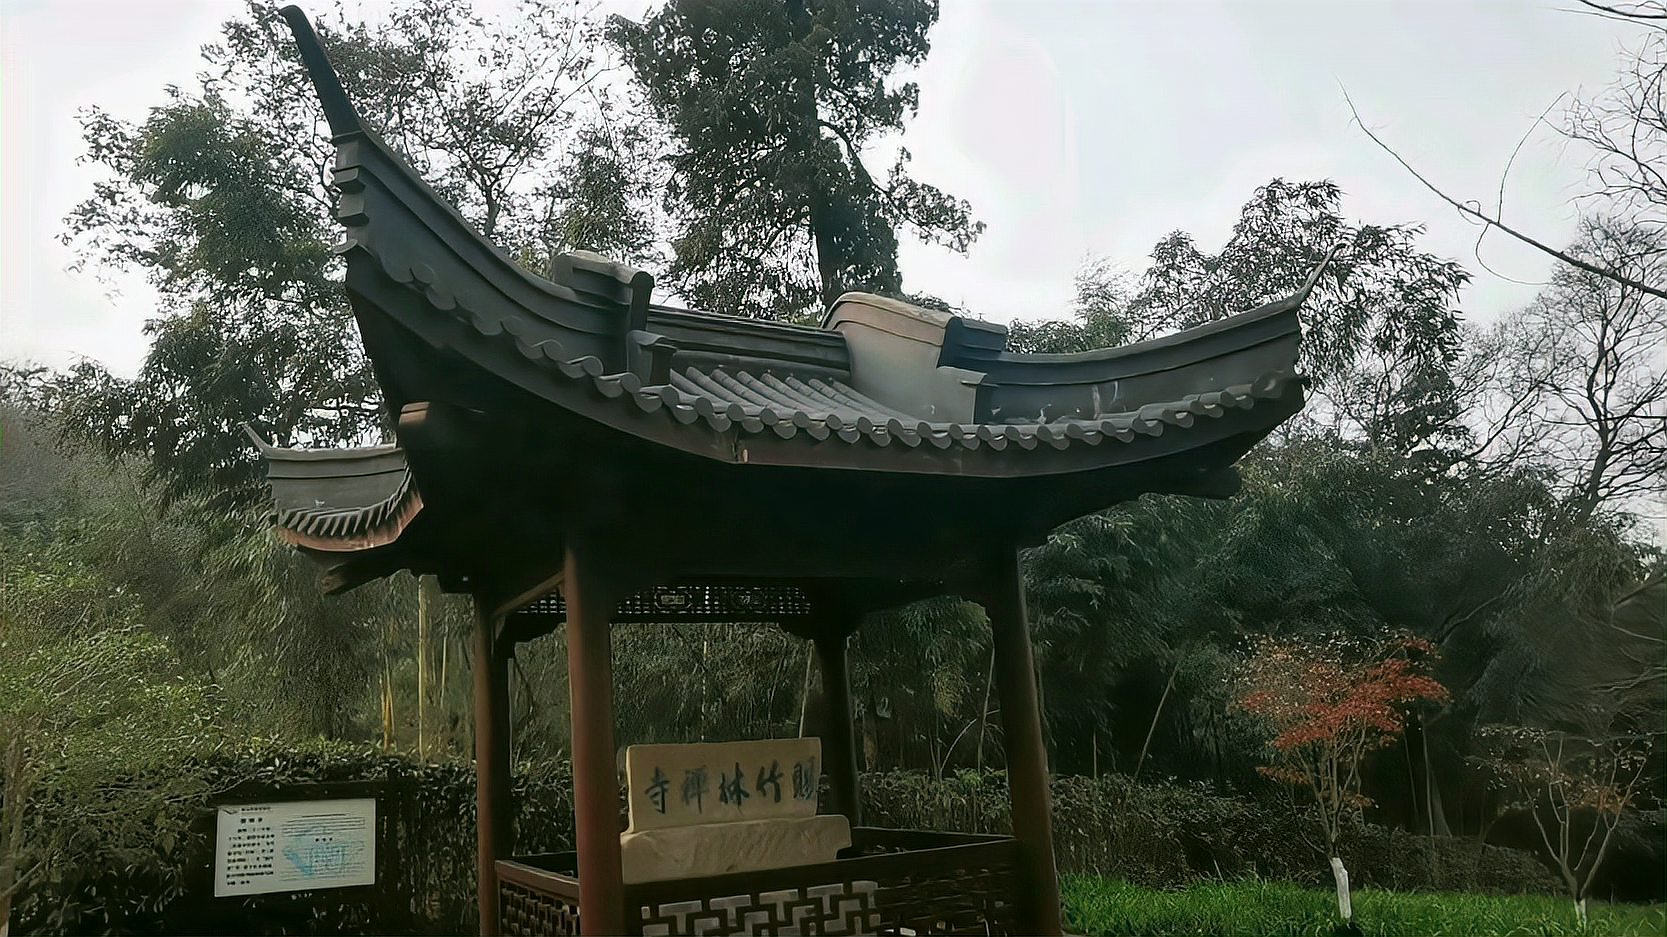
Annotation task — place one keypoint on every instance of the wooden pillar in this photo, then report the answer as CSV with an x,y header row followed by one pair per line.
x,y
589,589
1002,595
494,824
839,746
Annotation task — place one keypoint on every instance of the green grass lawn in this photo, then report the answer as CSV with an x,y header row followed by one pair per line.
x,y
1097,906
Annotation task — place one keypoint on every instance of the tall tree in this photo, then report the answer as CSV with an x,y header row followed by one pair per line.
x,y
88,703
773,105
1381,332
222,198
1581,385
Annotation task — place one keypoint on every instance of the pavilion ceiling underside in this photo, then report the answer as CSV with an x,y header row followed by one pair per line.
x,y
342,519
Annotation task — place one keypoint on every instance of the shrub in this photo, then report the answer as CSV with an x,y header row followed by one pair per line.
x,y
426,874
1168,834
1152,834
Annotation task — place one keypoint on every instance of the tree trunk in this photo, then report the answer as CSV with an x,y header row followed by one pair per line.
x,y
870,736
1345,907
1580,911
1432,791
828,260
422,668
1412,782
1042,714
445,645
804,698
387,701
705,647
827,256
936,743
1153,728
984,710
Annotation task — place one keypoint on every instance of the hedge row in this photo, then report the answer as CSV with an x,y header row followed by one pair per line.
x,y
426,854
1169,834
1149,834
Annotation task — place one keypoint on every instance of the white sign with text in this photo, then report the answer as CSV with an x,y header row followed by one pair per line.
x,y
294,846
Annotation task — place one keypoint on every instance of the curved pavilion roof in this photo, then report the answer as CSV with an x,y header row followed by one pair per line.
x,y
496,372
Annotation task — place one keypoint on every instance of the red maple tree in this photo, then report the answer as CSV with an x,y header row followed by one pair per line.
x,y
1327,703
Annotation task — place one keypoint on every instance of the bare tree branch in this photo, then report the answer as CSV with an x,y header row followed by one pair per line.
x,y
1486,219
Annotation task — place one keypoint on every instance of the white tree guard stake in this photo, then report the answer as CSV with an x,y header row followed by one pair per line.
x,y
1342,876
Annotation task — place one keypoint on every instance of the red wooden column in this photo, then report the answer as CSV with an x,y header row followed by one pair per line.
x,y
1003,597
839,746
590,591
495,826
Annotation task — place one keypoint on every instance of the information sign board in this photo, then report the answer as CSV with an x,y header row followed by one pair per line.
x,y
294,846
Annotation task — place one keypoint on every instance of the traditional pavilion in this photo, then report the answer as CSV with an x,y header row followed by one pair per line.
x,y
571,452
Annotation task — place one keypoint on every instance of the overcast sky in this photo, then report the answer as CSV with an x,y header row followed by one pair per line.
x,y
1074,128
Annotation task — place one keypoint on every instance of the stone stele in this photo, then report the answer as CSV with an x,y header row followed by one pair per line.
x,y
740,846
722,782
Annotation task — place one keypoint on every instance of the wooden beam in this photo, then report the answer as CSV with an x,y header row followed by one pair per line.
x,y
839,747
1002,594
494,825
528,593
592,591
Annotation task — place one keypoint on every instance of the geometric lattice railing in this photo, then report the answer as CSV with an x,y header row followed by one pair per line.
x,y
889,882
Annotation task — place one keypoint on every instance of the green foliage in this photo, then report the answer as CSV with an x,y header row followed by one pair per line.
x,y
1169,833
600,197
1380,332
1100,317
156,882
772,105
709,682
1326,536
1098,906
1380,296
918,675
1157,834
239,609
93,713
221,197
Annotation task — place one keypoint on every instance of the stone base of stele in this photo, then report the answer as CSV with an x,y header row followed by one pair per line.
x,y
739,846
